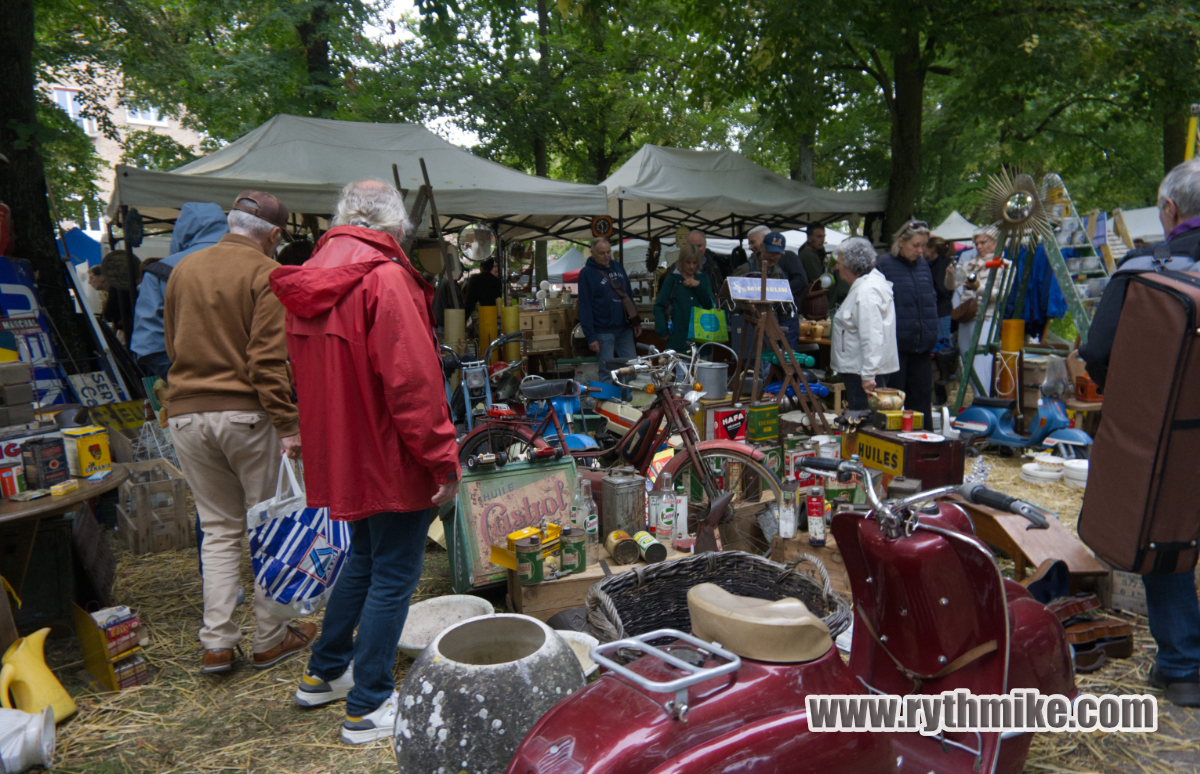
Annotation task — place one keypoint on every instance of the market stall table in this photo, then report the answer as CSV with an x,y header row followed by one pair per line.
x,y
28,515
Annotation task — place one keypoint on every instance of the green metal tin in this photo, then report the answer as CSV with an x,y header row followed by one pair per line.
x,y
762,422
529,561
774,457
574,550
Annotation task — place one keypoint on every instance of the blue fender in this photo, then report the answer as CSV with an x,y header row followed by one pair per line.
x,y
976,421
1068,435
575,441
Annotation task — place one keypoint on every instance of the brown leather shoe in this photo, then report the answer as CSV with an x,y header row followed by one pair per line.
x,y
216,660
296,639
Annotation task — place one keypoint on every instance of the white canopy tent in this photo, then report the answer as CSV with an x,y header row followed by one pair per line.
x,y
955,228
1142,223
721,193
305,162
571,260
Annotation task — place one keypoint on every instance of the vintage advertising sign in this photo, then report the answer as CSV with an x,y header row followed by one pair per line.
x,y
496,501
880,454
95,389
727,424
24,332
750,289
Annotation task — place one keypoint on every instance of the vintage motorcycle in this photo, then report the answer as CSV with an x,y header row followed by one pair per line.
x,y
932,614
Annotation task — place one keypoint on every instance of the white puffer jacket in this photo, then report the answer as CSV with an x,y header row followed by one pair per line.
x,y
864,329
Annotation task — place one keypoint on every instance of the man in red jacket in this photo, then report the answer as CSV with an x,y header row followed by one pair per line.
x,y
379,445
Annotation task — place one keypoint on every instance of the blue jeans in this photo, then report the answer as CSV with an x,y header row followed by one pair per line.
x,y
372,593
614,345
1174,613
945,341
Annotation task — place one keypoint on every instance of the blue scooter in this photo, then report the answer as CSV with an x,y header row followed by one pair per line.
x,y
990,420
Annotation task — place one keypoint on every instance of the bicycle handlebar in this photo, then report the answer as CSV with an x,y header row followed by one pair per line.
x,y
981,495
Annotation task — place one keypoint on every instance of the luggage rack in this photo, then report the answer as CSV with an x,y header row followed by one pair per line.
x,y
678,707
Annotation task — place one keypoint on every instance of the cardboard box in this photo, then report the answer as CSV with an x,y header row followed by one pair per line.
x,y
15,373
16,394
1128,593
87,450
894,420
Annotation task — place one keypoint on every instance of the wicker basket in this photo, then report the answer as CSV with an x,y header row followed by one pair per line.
x,y
655,597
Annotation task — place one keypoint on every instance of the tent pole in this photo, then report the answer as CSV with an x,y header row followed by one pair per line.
x,y
621,230
502,259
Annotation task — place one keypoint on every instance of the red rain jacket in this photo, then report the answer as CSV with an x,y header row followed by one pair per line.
x,y
373,417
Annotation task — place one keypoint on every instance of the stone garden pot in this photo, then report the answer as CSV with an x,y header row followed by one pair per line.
x,y
476,690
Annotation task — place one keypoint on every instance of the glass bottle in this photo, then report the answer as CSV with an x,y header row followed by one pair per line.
x,y
578,516
664,530
681,513
591,518
787,511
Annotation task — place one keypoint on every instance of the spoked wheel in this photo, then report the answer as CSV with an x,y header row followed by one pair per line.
x,y
755,488
514,441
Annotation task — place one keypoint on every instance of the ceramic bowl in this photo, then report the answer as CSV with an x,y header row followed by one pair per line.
x,y
885,399
430,618
1034,474
1049,462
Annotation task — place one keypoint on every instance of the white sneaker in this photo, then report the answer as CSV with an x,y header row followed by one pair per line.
x,y
380,724
313,692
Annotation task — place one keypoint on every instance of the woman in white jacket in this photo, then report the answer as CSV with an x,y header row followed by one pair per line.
x,y
864,328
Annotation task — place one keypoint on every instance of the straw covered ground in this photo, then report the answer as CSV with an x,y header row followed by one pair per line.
x,y
245,721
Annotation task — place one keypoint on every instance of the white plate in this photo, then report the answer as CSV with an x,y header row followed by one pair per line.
x,y
1032,470
1032,480
926,437
1075,483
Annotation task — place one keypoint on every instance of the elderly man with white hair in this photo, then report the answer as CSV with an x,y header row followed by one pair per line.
x,y
380,445
863,340
232,413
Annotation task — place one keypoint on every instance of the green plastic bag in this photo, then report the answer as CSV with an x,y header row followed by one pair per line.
x,y
708,325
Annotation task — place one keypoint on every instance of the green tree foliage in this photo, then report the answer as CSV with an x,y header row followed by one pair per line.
x,y
152,150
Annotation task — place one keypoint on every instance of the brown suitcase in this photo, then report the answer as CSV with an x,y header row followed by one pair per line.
x,y
1141,510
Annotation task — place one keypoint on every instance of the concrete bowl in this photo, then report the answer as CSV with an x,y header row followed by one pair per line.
x,y
430,618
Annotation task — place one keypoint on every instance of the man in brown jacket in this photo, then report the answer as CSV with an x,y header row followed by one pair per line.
x,y
232,413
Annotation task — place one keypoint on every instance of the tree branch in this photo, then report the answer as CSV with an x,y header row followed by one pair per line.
x,y
1056,112
879,74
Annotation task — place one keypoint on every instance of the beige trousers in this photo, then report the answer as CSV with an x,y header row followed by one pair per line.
x,y
231,460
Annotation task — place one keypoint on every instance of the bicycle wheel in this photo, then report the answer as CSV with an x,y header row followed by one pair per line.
x,y
514,440
755,486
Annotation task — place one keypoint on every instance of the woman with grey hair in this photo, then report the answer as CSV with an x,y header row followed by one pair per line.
x,y
864,328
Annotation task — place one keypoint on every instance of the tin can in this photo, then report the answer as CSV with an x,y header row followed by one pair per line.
x,y
816,516
906,422
733,477
529,561
652,550
574,550
621,547
8,480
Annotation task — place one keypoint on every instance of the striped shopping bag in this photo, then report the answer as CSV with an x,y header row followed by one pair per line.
x,y
297,551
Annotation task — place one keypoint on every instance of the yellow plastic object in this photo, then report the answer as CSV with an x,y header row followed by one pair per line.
x,y
33,686
488,330
1012,335
510,322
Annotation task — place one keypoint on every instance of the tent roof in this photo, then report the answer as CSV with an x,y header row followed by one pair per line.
x,y
955,226
670,187
1143,223
306,161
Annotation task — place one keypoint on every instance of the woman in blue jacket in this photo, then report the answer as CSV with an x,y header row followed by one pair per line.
x,y
916,315
684,289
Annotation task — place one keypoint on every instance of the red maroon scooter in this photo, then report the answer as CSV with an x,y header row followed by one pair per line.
x,y
932,614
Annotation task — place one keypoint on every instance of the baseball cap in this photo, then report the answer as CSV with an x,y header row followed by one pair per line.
x,y
264,205
774,242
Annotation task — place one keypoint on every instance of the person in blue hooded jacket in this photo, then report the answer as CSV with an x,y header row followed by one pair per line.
x,y
601,314
199,225
916,315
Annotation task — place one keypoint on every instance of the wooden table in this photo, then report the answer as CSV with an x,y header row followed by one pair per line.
x,y
29,514
1090,410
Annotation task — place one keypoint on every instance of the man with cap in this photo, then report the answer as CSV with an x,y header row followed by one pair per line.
x,y
767,249
232,413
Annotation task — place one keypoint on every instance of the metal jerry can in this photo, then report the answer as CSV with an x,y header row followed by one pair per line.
x,y
624,496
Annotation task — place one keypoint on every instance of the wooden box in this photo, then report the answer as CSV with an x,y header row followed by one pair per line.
x,y
935,464
549,343
152,509
784,551
549,598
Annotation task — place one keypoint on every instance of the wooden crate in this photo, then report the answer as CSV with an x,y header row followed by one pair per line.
x,y
152,509
548,598
784,551
549,343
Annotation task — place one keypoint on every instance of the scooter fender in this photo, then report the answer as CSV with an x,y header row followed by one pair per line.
x,y
1069,436
613,727
977,421
752,452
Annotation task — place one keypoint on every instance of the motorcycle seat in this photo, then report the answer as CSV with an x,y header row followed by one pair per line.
x,y
549,388
783,632
996,403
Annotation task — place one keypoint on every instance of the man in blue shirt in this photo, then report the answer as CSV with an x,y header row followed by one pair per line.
x,y
199,225
601,312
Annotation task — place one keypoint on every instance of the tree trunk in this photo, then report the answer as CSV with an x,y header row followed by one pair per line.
x,y
541,162
1174,136
907,106
23,183
315,39
803,171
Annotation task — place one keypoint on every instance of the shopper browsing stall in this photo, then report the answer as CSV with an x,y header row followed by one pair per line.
x,y
381,445
232,413
604,313
684,289
916,315
768,248
863,339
